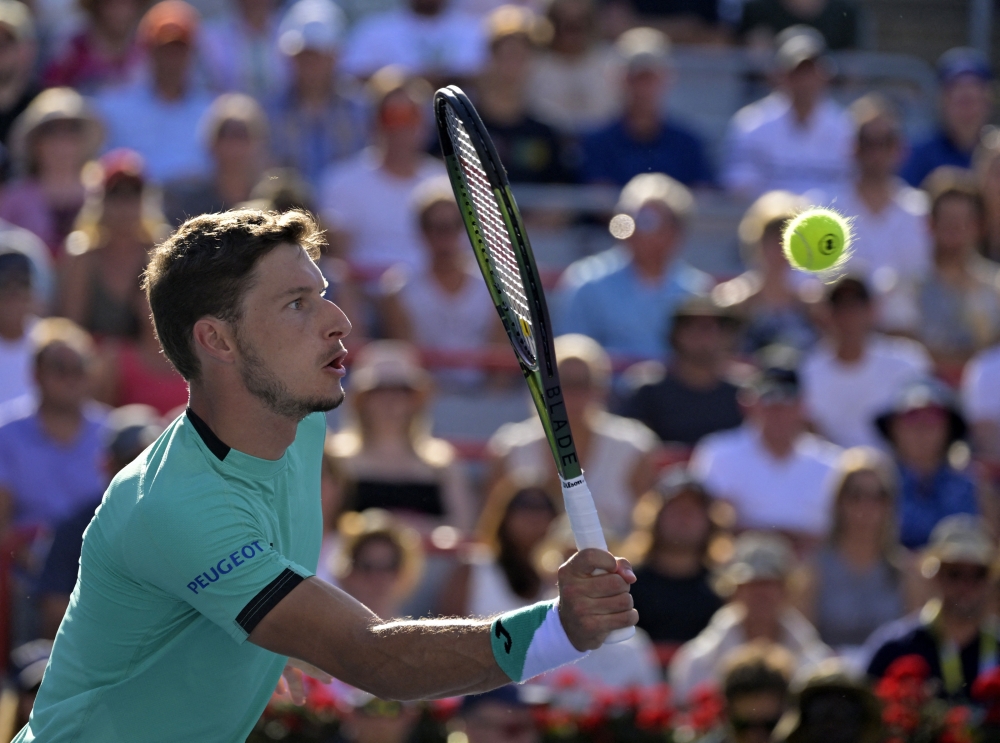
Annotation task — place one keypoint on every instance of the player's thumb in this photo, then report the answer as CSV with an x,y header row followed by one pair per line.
x,y
588,561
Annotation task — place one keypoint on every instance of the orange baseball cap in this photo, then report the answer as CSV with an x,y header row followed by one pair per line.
x,y
169,21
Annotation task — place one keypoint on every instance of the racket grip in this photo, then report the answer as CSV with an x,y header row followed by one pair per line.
x,y
587,531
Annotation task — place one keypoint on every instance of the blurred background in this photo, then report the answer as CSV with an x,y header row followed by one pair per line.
x,y
803,469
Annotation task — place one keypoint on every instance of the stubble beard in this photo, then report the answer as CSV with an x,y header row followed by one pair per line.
x,y
263,384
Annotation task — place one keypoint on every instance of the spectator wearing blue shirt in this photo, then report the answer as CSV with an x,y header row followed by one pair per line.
x,y
966,102
130,430
644,140
158,114
624,297
50,452
921,427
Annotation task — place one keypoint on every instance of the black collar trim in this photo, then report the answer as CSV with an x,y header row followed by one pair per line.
x,y
213,442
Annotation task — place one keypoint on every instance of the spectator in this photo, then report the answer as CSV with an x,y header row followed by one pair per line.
x,y
955,634
833,707
986,166
769,298
386,452
643,140
135,371
379,562
674,595
796,138
855,373
615,452
50,453
424,37
51,142
157,115
368,719
445,306
980,382
501,575
575,84
320,119
759,609
755,688
775,474
236,136
18,86
103,54
28,662
836,20
14,239
688,397
498,716
130,430
957,304
109,250
241,50
16,321
891,243
856,582
966,101
365,201
922,424
532,152
624,297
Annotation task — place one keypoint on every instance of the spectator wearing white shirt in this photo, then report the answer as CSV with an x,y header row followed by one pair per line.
x,y
854,374
797,138
756,580
365,200
425,37
158,115
981,402
891,240
776,476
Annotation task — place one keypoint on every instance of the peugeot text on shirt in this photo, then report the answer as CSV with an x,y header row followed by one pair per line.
x,y
226,564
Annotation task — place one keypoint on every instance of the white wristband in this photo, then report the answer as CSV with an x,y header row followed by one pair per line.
x,y
531,641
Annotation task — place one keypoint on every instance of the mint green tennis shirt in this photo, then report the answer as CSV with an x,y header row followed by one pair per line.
x,y
191,547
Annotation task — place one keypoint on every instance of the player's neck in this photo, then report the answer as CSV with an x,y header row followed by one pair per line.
x,y
241,421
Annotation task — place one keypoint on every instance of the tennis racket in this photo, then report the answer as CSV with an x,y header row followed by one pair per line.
x,y
504,255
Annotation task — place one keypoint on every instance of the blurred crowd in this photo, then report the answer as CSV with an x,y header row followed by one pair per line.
x,y
802,469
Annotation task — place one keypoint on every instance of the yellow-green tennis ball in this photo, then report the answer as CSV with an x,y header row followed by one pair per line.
x,y
816,240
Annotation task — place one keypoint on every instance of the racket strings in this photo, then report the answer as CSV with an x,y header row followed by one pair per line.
x,y
494,230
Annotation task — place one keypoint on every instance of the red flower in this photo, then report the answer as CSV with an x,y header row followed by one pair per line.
x,y
909,667
706,708
901,717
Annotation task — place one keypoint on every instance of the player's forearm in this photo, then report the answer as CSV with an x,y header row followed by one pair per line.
x,y
427,659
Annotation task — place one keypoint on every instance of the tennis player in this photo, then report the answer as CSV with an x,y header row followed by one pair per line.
x,y
196,580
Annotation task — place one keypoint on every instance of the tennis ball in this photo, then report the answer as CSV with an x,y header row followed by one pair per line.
x,y
818,239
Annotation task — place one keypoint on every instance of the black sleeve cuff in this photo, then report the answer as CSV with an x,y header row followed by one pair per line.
x,y
269,597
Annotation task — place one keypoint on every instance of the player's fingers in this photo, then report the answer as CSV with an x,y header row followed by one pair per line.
x,y
608,605
296,688
606,584
625,570
310,670
282,688
587,562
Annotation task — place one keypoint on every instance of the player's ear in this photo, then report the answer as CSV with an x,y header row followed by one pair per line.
x,y
214,338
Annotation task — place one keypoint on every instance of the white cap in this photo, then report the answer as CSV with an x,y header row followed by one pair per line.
x,y
317,25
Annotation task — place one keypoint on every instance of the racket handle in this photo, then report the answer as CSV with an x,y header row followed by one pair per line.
x,y
587,532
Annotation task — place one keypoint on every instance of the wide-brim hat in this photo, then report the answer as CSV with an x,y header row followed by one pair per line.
x,y
388,365
52,105
920,394
959,538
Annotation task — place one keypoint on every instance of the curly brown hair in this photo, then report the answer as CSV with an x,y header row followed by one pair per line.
x,y
206,266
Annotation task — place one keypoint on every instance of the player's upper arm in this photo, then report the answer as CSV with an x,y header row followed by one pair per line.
x,y
210,553
322,625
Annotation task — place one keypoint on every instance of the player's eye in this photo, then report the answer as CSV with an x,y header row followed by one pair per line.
x,y
296,304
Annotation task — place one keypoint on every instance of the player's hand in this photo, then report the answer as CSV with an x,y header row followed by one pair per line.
x,y
592,606
291,682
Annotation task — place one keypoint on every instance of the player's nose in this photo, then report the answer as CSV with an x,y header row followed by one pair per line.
x,y
336,323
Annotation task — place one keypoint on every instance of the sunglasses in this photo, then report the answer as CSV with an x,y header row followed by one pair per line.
x,y
968,574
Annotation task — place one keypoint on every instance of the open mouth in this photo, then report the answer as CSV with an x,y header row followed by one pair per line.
x,y
336,364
